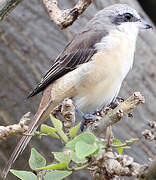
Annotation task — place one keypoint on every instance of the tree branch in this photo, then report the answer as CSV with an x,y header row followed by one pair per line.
x,y
113,116
64,18
148,172
150,134
15,129
6,6
68,112
110,164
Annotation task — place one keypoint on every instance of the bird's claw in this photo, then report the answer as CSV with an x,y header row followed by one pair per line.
x,y
86,119
114,104
117,101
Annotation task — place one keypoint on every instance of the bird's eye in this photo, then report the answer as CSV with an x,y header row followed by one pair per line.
x,y
125,17
128,17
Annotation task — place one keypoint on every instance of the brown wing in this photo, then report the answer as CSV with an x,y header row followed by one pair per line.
x,y
78,51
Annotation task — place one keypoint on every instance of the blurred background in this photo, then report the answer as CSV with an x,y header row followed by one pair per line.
x,y
150,8
29,42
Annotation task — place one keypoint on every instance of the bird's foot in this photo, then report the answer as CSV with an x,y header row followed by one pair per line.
x,y
87,118
120,99
117,101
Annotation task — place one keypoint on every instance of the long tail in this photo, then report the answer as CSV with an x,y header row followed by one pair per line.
x,y
42,114
19,149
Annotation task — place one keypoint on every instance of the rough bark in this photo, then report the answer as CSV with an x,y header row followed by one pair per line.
x,y
65,18
29,42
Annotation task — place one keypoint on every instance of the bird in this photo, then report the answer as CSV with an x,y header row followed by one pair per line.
x,y
91,68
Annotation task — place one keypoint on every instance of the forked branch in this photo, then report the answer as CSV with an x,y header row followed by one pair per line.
x,y
64,18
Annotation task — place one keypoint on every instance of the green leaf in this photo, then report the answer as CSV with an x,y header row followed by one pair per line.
x,y
120,150
62,157
24,175
57,175
95,154
56,123
61,165
83,149
50,131
58,127
63,136
101,142
119,143
36,160
88,138
78,160
73,131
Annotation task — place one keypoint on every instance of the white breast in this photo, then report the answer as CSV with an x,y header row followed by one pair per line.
x,y
102,82
122,41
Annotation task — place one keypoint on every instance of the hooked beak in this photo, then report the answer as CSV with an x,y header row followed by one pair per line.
x,y
144,25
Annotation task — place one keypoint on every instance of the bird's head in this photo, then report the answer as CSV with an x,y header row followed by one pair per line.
x,y
121,17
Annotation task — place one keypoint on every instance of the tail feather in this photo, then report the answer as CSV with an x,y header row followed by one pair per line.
x,y
19,149
43,112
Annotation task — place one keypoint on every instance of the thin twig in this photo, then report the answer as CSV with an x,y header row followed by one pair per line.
x,y
15,129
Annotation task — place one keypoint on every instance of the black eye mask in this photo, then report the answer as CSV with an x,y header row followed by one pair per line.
x,y
126,17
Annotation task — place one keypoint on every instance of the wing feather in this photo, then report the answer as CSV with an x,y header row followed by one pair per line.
x,y
64,65
78,51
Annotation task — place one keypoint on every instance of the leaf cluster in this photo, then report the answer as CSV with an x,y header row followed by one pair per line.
x,y
77,150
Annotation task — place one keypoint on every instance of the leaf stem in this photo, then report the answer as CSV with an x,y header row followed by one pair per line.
x,y
39,176
127,143
78,168
35,134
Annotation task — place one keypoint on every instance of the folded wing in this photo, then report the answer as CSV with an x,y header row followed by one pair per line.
x,y
80,50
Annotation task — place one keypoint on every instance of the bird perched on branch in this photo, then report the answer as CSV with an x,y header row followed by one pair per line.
x,y
91,68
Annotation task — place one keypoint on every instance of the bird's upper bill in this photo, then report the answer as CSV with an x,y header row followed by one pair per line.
x,y
142,24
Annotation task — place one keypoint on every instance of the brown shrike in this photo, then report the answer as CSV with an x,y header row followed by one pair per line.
x,y
91,68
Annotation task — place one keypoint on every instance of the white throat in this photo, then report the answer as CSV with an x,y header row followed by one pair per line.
x,y
128,31
122,40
